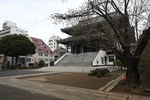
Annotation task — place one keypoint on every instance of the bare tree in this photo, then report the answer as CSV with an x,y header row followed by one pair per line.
x,y
139,15
128,14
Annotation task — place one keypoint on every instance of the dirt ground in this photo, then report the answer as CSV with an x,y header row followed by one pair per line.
x,y
82,80
122,88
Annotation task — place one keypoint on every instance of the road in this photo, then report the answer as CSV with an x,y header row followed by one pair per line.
x,y
17,72
10,93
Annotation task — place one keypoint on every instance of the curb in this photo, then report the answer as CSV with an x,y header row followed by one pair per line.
x,y
110,85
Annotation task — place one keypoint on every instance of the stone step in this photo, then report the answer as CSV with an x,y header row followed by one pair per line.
x,y
78,60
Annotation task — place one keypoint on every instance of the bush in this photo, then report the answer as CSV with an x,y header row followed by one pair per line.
x,y
107,74
41,63
99,75
93,73
52,63
13,67
99,72
117,63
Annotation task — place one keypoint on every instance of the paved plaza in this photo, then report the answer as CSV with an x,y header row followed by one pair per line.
x,y
58,92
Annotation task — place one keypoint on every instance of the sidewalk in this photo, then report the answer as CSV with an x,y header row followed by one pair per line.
x,y
75,69
68,92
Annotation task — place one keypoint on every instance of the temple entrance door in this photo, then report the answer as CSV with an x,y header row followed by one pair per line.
x,y
78,49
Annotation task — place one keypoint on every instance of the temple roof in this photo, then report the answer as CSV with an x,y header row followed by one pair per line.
x,y
92,30
88,24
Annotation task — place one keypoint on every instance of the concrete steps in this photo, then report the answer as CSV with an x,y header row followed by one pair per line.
x,y
78,60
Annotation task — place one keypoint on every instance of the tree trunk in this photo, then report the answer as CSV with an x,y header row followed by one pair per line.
x,y
12,61
16,61
132,75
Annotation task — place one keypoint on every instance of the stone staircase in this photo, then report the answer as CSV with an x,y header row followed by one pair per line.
x,y
77,60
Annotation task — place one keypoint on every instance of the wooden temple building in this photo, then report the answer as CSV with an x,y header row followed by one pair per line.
x,y
91,35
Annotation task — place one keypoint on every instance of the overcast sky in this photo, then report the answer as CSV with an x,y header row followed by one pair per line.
x,y
32,15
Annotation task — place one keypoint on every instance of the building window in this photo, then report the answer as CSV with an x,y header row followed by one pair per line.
x,y
40,54
50,40
46,55
44,51
36,41
111,58
43,46
41,42
50,60
28,59
40,59
51,55
46,60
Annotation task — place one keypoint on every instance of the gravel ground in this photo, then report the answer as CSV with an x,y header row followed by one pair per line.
x,y
81,80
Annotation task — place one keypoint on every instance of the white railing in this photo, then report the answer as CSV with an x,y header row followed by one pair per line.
x,y
58,60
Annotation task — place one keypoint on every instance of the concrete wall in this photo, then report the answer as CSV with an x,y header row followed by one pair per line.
x,y
99,59
103,58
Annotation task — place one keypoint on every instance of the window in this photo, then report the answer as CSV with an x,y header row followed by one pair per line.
x,y
50,40
51,55
111,58
46,59
50,43
36,41
43,46
46,55
41,42
50,60
28,59
44,51
40,54
102,60
40,59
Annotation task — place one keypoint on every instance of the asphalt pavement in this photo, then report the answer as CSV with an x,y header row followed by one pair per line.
x,y
17,72
9,93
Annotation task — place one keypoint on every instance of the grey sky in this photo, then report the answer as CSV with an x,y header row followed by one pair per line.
x,y
32,15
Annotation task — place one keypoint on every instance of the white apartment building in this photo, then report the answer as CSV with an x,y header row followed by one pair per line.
x,y
53,44
11,28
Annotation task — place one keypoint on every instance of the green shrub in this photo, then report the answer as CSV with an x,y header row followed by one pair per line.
x,y
107,74
99,72
13,67
52,63
41,63
117,63
99,75
93,73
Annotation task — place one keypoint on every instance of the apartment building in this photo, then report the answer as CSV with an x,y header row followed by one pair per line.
x,y
43,52
10,27
53,43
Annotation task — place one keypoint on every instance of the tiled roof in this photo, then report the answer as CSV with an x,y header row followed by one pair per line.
x,y
41,47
